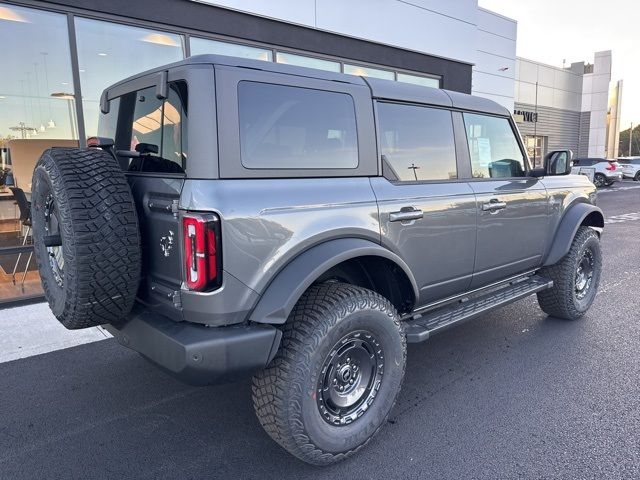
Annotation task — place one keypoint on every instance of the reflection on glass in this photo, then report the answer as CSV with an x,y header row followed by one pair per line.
x,y
417,143
368,72
417,80
36,63
109,52
201,46
310,62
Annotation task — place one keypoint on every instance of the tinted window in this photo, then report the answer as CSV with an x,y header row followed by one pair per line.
x,y
494,150
161,125
416,143
296,128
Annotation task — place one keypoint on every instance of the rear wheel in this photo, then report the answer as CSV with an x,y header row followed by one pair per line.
x,y
575,278
86,236
599,180
336,376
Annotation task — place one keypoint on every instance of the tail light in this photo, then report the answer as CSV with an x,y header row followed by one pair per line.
x,y
611,167
202,252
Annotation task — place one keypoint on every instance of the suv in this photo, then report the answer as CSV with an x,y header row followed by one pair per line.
x,y
239,218
630,167
606,172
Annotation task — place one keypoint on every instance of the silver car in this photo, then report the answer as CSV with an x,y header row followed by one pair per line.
x,y
607,172
630,167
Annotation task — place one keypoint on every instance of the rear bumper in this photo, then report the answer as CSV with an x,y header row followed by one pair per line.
x,y
197,354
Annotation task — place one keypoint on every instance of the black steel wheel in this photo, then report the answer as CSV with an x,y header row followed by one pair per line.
x,y
575,278
336,375
350,379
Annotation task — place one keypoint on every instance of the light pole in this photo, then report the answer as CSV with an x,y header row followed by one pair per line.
x,y
630,138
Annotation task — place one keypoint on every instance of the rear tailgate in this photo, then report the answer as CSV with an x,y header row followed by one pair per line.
x,y
157,206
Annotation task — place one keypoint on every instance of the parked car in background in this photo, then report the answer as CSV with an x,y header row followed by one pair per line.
x,y
630,167
607,172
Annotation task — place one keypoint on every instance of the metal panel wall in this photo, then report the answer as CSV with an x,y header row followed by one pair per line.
x,y
561,126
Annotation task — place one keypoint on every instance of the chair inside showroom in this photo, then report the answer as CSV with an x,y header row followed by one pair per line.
x,y
25,222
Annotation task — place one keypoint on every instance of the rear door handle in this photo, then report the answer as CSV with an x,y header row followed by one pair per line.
x,y
406,214
493,206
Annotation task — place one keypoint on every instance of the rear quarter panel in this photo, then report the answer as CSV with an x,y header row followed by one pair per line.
x,y
268,222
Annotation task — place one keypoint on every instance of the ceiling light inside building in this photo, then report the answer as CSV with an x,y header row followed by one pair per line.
x,y
160,39
11,15
102,54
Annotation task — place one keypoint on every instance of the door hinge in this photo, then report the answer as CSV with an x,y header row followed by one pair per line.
x,y
177,302
174,207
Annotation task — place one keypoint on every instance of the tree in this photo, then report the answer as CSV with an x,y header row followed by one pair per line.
x,y
623,149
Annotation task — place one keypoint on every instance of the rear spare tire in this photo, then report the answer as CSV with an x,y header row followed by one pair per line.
x,y
86,236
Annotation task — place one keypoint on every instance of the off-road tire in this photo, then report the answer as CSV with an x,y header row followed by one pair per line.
x,y
561,300
98,226
285,393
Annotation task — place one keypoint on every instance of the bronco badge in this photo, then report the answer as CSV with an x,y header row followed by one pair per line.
x,y
166,244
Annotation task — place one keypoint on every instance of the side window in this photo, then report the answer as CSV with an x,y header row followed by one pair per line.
x,y
494,149
416,143
284,127
156,128
147,119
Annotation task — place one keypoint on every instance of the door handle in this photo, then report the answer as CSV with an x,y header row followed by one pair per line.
x,y
406,214
493,205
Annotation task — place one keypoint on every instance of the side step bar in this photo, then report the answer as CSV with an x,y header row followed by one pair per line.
x,y
421,327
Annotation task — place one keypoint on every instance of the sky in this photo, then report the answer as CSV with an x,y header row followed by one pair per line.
x,y
551,31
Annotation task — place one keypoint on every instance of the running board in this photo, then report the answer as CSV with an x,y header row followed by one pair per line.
x,y
421,327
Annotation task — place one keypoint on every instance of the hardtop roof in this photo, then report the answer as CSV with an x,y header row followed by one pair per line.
x,y
380,89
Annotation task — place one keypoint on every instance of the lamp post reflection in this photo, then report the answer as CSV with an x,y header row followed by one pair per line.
x,y
70,98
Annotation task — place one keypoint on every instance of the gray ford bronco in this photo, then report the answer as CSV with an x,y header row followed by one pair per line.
x,y
242,218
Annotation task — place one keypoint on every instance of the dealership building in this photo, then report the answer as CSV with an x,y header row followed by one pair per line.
x,y
58,56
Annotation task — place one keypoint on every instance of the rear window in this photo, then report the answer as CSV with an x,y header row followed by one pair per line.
x,y
284,127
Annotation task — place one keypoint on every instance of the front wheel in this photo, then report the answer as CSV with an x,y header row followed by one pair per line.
x,y
637,177
336,376
575,278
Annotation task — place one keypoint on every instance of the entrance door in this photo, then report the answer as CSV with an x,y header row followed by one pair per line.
x,y
512,207
427,215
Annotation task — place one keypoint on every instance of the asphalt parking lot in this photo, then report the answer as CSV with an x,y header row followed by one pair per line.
x,y
514,394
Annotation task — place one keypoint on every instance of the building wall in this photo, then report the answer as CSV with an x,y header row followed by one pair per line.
x,y
446,29
595,99
573,104
561,126
495,63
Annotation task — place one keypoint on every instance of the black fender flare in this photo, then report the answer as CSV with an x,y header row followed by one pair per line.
x,y
566,231
284,291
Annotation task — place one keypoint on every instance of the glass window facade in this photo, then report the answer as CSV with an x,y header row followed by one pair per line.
x,y
417,80
37,111
200,46
109,52
368,72
310,62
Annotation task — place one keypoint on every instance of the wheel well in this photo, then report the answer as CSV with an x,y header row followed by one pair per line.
x,y
594,219
378,274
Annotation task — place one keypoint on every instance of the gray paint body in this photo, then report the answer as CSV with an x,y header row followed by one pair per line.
x,y
280,233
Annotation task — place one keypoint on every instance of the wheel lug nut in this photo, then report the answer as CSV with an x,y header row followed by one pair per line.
x,y
350,382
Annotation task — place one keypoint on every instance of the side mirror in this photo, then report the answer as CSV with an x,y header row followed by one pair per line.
x,y
558,162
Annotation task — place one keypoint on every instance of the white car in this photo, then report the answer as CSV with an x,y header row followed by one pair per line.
x,y
606,172
630,167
